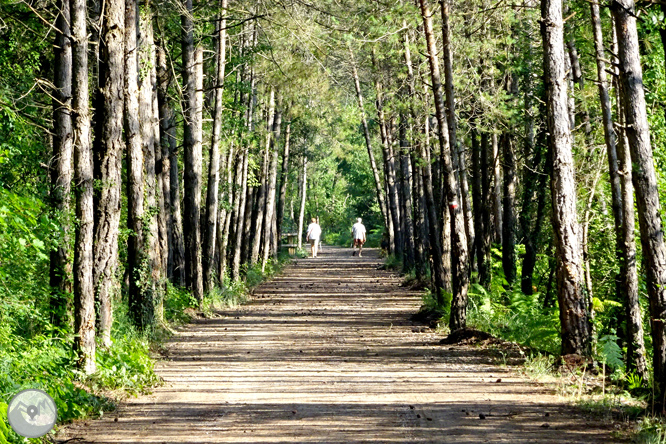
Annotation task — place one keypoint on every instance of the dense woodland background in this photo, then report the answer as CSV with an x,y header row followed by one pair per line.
x,y
154,155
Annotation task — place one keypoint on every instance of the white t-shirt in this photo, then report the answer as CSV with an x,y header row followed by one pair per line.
x,y
358,230
314,231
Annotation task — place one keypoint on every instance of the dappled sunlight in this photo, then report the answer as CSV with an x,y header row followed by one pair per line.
x,y
302,363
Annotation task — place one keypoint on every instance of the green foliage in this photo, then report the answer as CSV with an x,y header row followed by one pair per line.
x,y
126,365
651,431
514,316
610,351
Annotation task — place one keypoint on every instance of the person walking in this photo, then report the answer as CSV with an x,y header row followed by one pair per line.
x,y
358,234
313,234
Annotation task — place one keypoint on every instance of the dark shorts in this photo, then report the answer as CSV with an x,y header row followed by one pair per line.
x,y
358,242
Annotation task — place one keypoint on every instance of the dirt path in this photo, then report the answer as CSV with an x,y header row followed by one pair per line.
x,y
326,353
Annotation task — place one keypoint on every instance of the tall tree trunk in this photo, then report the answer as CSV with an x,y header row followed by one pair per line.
x,y
635,343
84,296
284,176
479,204
162,166
60,269
160,220
498,218
406,177
460,275
259,215
210,228
645,182
508,207
420,229
108,148
301,213
457,150
149,129
368,144
389,166
224,223
487,161
573,315
534,179
271,191
192,146
242,191
139,292
626,241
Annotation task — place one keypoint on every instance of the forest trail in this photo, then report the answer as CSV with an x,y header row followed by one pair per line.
x,y
326,353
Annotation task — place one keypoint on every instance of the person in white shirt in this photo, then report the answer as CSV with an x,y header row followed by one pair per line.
x,y
313,235
358,234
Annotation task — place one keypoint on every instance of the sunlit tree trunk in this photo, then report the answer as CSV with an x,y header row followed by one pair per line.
x,y
389,166
260,208
269,241
210,227
239,211
573,313
368,144
304,187
108,148
149,128
84,296
460,275
406,177
60,269
420,228
645,182
284,175
457,150
139,292
192,147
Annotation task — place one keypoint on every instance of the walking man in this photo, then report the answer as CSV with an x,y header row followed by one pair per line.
x,y
358,234
313,234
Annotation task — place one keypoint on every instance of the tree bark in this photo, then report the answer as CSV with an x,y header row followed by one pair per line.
x,y
389,167
224,223
487,161
301,213
628,276
260,209
242,190
138,292
573,314
406,177
149,129
163,164
420,228
644,180
84,296
192,146
368,144
214,166
508,206
271,191
60,269
457,150
108,148
476,198
284,176
460,275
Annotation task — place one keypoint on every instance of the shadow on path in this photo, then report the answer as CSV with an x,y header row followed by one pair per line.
x,y
326,353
